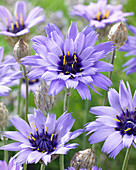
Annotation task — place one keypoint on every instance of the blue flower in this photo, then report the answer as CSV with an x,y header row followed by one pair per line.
x,y
130,47
100,14
72,62
115,124
20,23
12,165
42,138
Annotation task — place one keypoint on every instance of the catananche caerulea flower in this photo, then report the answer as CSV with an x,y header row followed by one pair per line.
x,y
116,124
15,74
5,76
20,23
72,62
11,166
100,14
42,138
130,47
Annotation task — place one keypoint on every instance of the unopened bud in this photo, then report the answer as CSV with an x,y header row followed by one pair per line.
x,y
21,50
3,115
13,40
42,100
118,34
83,159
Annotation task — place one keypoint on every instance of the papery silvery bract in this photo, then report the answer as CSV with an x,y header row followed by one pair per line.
x,y
72,62
100,14
130,47
42,138
11,166
20,23
115,124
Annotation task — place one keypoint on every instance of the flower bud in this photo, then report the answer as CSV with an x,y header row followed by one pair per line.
x,y
13,40
118,34
3,115
42,100
83,159
21,50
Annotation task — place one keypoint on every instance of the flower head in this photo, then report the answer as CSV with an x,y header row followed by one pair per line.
x,y
100,14
72,62
42,138
130,47
12,165
12,73
20,23
116,125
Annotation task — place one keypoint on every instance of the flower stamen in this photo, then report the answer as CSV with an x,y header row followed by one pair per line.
x,y
52,136
127,129
117,120
21,19
34,126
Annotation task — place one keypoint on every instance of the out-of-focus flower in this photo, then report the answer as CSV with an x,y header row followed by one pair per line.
x,y
83,159
20,23
42,138
58,18
130,47
72,62
116,123
11,166
3,116
21,49
13,73
118,34
42,100
100,14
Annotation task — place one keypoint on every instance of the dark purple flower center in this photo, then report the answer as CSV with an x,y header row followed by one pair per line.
x,y
31,82
101,16
126,123
43,142
70,64
15,27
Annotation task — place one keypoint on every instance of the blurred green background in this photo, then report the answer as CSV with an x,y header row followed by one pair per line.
x,y
76,104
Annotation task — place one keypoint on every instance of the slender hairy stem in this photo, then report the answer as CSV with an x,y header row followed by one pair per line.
x,y
25,166
5,152
42,167
66,103
26,81
125,163
66,99
85,121
112,62
19,98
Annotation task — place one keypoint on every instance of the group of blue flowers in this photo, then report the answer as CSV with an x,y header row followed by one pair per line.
x,y
72,62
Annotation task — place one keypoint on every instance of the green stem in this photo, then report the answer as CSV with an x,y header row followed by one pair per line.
x,y
5,152
42,167
26,81
110,75
66,99
66,103
125,163
61,162
19,98
85,121
25,166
